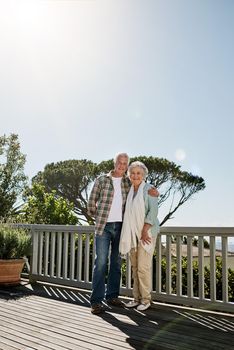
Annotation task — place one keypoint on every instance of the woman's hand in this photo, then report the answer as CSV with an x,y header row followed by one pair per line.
x,y
146,239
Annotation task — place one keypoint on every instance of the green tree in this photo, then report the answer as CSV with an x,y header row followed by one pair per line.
x,y
72,180
46,208
12,177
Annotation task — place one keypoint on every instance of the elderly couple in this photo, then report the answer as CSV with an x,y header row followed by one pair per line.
x,y
113,194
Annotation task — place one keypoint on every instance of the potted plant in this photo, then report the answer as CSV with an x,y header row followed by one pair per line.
x,y
15,246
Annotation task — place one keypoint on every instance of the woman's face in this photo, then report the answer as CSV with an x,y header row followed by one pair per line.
x,y
136,176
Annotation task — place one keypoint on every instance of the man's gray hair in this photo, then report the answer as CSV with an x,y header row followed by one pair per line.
x,y
140,165
121,155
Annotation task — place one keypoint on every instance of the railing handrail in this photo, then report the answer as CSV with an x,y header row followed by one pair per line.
x,y
57,228
198,230
202,230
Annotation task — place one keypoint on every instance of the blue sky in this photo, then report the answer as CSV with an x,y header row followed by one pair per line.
x,y
86,79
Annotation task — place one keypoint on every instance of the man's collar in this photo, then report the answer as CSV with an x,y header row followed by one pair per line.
x,y
110,174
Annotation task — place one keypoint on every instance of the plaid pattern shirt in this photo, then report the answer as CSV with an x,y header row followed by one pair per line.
x,y
101,197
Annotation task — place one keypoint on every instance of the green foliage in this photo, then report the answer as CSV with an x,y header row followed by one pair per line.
x,y
70,180
15,243
12,177
194,241
231,284
196,278
46,208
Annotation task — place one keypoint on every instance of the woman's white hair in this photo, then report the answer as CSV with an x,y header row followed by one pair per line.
x,y
121,155
140,165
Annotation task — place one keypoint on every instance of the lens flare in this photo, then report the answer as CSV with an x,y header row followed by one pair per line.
x,y
180,154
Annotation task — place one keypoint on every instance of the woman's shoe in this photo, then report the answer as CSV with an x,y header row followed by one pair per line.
x,y
132,303
143,307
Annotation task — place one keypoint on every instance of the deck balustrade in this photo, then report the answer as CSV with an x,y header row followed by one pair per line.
x,y
65,255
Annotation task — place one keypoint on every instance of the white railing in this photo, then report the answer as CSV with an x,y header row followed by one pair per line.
x,y
65,255
196,295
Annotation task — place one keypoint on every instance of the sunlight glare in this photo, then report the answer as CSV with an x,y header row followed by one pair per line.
x,y
180,154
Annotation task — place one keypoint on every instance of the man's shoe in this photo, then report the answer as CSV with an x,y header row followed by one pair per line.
x,y
143,307
96,309
114,302
132,303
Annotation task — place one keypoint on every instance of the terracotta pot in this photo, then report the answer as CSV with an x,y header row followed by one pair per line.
x,y
10,271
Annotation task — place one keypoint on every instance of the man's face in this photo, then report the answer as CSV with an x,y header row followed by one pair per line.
x,y
121,165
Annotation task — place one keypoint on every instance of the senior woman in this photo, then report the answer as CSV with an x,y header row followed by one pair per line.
x,y
139,233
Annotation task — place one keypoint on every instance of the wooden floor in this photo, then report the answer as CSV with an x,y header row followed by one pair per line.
x,y
57,318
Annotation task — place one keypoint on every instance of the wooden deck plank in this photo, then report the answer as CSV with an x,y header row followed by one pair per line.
x,y
4,346
61,319
30,339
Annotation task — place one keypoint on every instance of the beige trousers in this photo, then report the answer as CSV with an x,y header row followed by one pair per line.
x,y
141,262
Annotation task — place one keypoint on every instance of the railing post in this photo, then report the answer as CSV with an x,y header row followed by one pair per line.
x,y
52,253
179,266
72,256
189,267
34,259
224,270
86,259
168,264
65,254
212,269
158,265
128,272
201,266
46,253
79,258
59,254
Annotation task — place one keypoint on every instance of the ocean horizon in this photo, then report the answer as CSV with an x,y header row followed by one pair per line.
x,y
230,246
218,243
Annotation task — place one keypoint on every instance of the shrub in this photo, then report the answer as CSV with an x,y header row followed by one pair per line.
x,y
14,242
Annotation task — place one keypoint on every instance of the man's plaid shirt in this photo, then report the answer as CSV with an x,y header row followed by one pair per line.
x,y
101,197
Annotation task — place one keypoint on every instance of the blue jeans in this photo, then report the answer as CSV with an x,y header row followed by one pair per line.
x,y
109,238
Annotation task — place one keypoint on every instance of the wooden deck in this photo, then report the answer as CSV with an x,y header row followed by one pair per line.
x,y
57,318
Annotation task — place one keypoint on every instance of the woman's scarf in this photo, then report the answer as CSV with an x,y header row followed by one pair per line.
x,y
133,222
